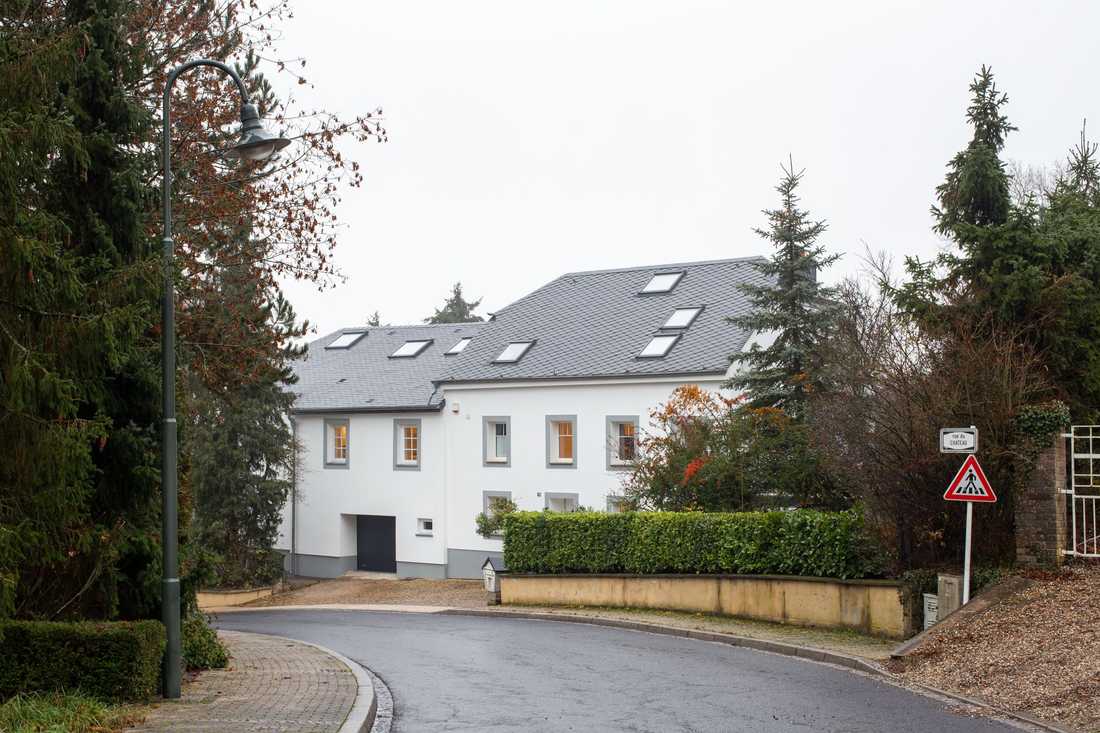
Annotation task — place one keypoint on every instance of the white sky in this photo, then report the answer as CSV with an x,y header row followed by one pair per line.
x,y
531,139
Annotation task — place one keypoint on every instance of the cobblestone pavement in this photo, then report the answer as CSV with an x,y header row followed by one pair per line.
x,y
271,685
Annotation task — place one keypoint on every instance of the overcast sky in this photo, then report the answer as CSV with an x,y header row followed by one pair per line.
x,y
532,139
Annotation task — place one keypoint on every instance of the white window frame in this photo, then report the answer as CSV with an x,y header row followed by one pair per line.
x,y
400,463
331,425
422,530
553,457
615,504
550,496
489,454
614,461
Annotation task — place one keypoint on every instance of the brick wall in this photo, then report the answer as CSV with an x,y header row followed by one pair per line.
x,y
1041,510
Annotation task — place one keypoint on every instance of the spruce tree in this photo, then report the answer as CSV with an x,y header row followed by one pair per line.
x,y
791,304
456,309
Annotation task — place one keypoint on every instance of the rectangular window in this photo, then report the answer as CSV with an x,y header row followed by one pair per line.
x,y
489,501
345,340
460,346
406,444
410,349
337,443
496,441
682,317
622,441
424,527
616,505
513,352
662,282
561,440
658,346
561,502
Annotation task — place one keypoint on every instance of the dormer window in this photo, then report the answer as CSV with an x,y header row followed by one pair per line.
x,y
682,317
659,346
662,282
345,340
458,348
410,349
513,352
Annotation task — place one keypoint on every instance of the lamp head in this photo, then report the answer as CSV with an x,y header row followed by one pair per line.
x,y
256,143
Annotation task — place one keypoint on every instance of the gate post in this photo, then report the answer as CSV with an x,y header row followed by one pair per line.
x,y
1041,509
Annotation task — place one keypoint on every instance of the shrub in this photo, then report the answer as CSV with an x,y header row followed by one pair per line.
x,y
200,646
490,524
109,660
801,542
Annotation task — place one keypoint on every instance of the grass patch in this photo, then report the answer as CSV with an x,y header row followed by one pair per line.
x,y
59,712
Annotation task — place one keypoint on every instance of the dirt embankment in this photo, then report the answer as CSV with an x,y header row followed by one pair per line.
x,y
1037,651
415,592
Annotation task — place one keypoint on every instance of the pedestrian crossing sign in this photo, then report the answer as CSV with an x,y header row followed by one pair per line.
x,y
970,484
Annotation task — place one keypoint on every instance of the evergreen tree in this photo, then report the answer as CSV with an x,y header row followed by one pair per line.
x,y
792,304
375,319
78,387
456,309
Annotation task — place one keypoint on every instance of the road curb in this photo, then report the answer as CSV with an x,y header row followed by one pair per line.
x,y
360,718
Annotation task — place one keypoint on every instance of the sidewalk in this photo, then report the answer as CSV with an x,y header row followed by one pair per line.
x,y
271,684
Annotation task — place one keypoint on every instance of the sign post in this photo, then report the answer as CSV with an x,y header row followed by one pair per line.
x,y
971,486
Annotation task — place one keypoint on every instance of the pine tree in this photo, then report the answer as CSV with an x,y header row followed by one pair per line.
x,y
456,309
792,304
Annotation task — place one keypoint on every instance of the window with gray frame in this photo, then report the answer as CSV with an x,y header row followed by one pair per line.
x,y
558,502
407,444
487,498
561,441
622,441
337,443
496,440
615,504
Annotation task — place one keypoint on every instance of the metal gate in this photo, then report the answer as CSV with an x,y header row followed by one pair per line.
x,y
1084,490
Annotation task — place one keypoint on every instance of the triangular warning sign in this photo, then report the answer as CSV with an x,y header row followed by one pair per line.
x,y
970,484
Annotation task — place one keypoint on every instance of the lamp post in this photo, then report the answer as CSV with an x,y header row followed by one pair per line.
x,y
255,143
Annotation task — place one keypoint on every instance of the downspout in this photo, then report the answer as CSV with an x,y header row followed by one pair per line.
x,y
294,498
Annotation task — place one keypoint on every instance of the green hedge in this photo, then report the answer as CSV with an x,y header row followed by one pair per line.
x,y
114,661
802,542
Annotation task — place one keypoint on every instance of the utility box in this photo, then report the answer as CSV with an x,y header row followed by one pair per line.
x,y
490,573
931,609
949,596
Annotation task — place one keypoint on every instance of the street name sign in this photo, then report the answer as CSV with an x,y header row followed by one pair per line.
x,y
970,484
959,440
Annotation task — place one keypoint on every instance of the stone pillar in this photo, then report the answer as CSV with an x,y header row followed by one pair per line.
x,y
1041,509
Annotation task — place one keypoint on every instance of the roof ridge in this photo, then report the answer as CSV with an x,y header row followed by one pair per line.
x,y
357,329
664,266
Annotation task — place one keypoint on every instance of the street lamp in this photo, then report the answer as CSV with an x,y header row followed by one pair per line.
x,y
255,143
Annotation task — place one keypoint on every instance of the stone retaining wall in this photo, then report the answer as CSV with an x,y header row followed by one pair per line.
x,y
876,607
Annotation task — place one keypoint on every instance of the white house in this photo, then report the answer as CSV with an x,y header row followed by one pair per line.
x,y
407,432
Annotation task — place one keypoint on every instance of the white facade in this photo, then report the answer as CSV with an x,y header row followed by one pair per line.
x,y
454,478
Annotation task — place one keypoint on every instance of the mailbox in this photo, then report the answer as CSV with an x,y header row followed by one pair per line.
x,y
490,573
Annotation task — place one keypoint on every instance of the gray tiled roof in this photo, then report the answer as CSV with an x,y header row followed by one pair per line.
x,y
365,378
594,324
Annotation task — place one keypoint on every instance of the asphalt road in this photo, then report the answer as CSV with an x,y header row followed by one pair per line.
x,y
458,673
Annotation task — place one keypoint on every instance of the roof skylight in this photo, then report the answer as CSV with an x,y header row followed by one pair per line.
x,y
410,349
345,340
662,282
513,352
462,344
682,317
658,346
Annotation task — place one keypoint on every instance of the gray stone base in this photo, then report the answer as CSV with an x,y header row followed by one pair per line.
x,y
320,566
431,570
467,563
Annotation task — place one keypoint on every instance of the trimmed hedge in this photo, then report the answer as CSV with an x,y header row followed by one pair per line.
x,y
801,542
112,661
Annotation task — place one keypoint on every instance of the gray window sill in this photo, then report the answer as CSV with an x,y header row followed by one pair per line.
x,y
425,534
